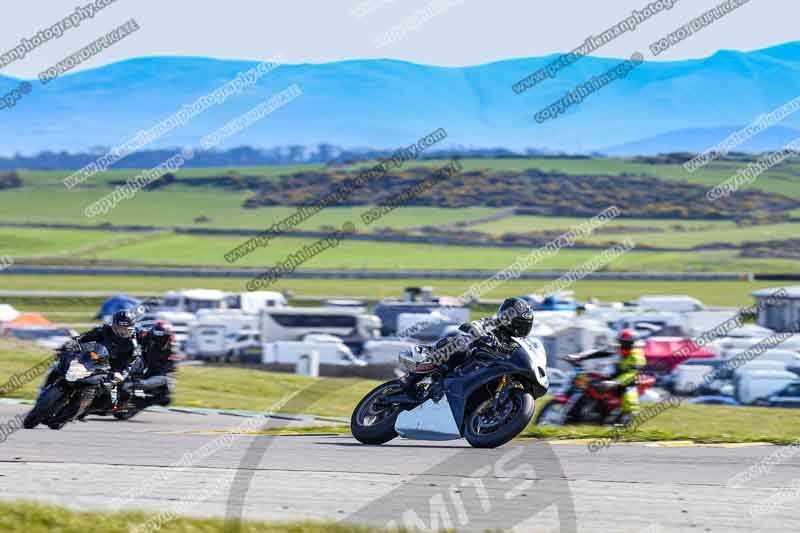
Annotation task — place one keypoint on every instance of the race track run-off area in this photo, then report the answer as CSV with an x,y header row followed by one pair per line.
x,y
201,465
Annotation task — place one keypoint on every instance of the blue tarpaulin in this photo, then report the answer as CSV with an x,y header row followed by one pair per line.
x,y
114,304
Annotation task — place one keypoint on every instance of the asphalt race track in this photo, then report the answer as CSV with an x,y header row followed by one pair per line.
x,y
203,465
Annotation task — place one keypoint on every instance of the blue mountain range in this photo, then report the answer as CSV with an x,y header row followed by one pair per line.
x,y
658,107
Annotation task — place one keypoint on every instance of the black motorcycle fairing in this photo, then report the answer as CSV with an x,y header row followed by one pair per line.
x,y
479,371
67,395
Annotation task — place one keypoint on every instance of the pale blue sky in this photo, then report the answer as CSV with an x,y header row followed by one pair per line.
x,y
466,33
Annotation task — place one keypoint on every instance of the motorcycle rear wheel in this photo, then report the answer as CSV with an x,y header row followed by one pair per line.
x,y
372,424
43,408
515,421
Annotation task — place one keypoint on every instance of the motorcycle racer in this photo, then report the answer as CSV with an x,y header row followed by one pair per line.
x,y
629,363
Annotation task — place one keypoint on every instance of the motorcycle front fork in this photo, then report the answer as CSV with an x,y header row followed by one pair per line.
x,y
501,393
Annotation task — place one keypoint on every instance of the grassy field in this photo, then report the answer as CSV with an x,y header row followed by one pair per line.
x,y
181,205
167,248
673,234
698,423
726,293
45,199
27,517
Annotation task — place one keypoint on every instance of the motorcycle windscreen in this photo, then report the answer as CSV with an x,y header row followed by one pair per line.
x,y
429,421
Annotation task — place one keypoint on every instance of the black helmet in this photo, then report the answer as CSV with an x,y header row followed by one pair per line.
x,y
161,335
515,317
122,323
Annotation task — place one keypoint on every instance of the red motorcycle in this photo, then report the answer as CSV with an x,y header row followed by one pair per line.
x,y
591,398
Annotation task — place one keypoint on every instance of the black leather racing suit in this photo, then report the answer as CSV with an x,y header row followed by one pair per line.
x,y
121,350
452,350
154,371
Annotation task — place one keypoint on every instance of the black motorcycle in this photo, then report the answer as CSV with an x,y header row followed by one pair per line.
x,y
133,399
488,399
80,376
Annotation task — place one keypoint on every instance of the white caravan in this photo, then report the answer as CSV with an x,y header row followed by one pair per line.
x,y
193,300
294,323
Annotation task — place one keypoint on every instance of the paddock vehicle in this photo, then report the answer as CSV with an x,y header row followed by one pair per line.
x,y
586,401
488,399
295,323
80,377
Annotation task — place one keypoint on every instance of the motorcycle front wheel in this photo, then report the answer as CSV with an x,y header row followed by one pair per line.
x,y
486,428
44,407
372,422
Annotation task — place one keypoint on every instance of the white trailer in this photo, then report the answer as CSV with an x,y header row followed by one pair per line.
x,y
292,352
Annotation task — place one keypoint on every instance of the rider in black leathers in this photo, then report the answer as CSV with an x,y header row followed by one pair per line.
x,y
153,372
514,318
118,338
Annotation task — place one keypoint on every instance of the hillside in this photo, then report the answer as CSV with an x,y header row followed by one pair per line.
x,y
387,103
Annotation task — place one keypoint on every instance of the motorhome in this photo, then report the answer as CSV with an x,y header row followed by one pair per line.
x,y
672,304
253,302
390,311
214,334
294,323
426,327
193,300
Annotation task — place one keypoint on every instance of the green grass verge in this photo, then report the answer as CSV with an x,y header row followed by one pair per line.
x,y
166,248
698,423
215,387
674,234
179,206
25,517
726,293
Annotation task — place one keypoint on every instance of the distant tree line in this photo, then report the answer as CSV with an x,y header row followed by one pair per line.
x,y
249,156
